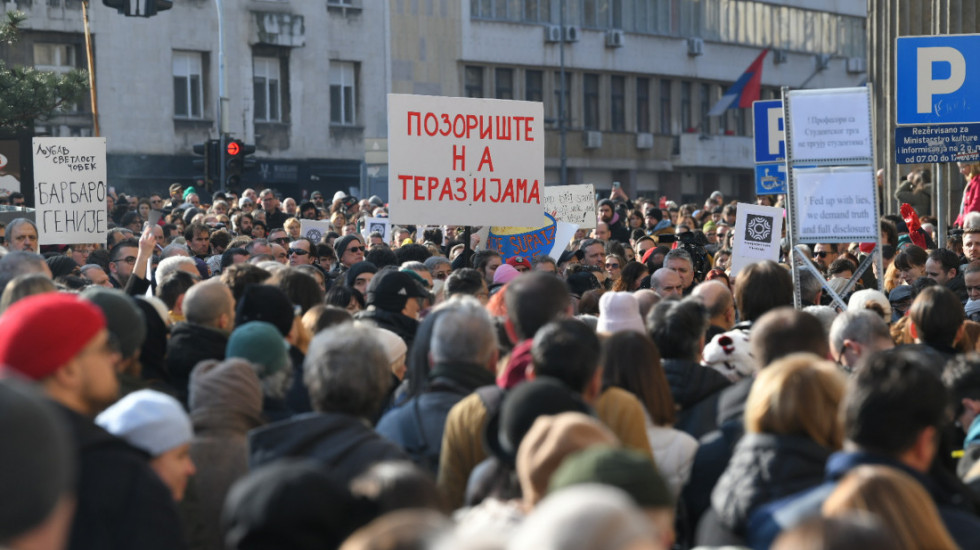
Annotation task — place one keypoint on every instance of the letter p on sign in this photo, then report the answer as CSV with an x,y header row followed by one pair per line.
x,y
927,63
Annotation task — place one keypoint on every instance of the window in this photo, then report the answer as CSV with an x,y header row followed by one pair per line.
x,y
561,104
617,103
665,107
188,85
590,101
740,121
504,82
343,93
537,11
533,86
473,85
686,123
56,58
642,104
265,84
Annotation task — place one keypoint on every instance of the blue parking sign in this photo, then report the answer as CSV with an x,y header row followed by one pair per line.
x,y
937,78
770,131
770,179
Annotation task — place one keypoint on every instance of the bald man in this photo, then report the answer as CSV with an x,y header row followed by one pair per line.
x,y
666,283
209,309
717,299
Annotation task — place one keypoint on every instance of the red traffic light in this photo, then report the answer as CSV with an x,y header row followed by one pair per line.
x,y
233,148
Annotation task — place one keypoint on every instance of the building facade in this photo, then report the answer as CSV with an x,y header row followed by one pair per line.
x,y
306,81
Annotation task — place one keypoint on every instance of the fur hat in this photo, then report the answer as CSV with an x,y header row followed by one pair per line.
x,y
730,354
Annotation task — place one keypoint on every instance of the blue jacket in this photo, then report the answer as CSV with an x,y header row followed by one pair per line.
x,y
767,522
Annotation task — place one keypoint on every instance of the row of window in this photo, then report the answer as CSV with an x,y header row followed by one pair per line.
x,y
612,102
267,88
748,22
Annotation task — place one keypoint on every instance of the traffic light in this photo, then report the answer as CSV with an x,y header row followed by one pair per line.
x,y
209,164
237,161
139,8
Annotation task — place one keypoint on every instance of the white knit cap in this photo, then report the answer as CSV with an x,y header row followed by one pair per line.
x,y
148,420
619,311
394,346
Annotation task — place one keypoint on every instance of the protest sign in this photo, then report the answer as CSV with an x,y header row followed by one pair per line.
x,y
572,204
314,229
835,205
465,161
377,225
830,125
757,233
70,190
548,239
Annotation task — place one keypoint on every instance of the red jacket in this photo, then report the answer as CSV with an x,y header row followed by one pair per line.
x,y
971,199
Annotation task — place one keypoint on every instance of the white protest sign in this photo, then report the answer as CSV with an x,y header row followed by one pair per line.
x,y
830,125
572,204
835,205
377,225
70,190
315,229
757,233
465,161
563,235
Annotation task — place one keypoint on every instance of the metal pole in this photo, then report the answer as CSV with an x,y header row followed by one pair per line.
x,y
222,130
93,96
939,206
561,93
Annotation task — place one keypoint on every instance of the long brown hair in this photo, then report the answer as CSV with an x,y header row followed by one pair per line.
x,y
898,500
631,361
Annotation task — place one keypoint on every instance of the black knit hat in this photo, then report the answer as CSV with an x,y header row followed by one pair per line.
x,y
521,407
357,269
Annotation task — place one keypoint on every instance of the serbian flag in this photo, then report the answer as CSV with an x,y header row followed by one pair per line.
x,y
744,91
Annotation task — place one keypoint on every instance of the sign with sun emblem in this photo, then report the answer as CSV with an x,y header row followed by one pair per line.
x,y
757,232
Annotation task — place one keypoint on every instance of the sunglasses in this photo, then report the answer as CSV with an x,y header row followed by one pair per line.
x,y
281,240
820,254
356,248
298,252
612,266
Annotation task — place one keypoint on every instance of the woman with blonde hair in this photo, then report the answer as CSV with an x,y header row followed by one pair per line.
x,y
899,501
292,227
792,427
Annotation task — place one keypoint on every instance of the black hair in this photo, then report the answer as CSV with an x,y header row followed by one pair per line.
x,y
676,326
567,350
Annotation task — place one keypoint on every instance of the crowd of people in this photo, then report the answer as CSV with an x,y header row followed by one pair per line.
x,y
210,378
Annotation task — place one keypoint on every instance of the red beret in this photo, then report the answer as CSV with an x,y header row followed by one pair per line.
x,y
40,333
515,261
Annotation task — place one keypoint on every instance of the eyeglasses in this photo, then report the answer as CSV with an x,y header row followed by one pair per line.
x,y
612,266
356,249
298,252
127,259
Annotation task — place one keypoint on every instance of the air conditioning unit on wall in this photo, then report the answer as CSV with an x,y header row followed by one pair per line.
x,y
552,33
615,38
593,140
695,47
571,33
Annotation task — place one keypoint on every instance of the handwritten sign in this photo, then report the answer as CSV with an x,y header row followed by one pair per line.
x,y
464,161
757,233
572,204
314,229
835,205
830,125
70,190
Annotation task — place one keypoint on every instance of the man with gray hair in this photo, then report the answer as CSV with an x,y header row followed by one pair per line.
x,y
855,334
666,282
175,263
463,357
21,235
348,375
679,261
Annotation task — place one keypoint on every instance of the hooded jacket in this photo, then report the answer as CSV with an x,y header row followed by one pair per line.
x,y
344,443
